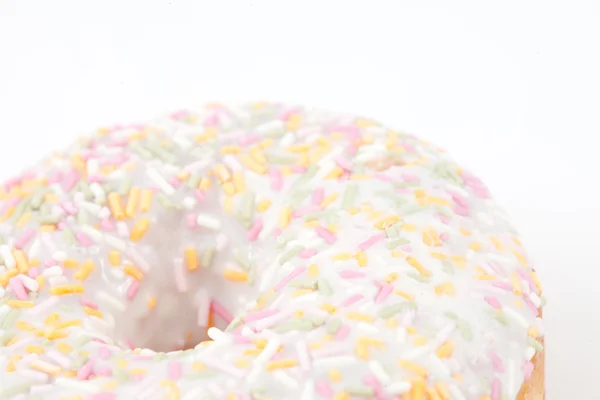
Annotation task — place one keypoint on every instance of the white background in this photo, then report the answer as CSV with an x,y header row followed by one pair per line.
x,y
512,89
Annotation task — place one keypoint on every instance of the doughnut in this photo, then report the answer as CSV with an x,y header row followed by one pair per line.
x,y
262,251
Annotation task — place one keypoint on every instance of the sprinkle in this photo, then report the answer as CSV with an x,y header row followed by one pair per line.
x,y
140,228
146,201
208,221
116,207
67,289
235,275
191,258
45,367
295,273
326,234
134,272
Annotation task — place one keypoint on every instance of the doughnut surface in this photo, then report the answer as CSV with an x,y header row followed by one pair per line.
x,y
331,257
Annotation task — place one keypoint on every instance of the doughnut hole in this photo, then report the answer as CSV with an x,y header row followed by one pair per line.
x,y
174,306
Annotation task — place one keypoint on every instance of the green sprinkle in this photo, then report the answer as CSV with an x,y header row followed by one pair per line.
x,y
451,315
414,209
122,375
10,319
303,284
395,243
242,259
418,277
324,287
360,391
194,180
161,152
465,330
306,177
394,309
138,148
5,338
317,215
535,344
349,196
159,356
290,254
68,236
252,275
20,209
38,198
298,197
82,340
16,389
392,232
317,320
334,325
543,301
85,189
165,201
246,210
82,217
499,317
125,186
279,159
299,324
49,220
201,374
448,267
207,256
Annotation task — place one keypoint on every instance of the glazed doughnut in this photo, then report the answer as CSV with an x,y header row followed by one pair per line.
x,y
262,251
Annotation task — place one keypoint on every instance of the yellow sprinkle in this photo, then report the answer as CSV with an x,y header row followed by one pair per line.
x,y
334,375
10,366
228,204
263,299
335,173
114,203
446,350
257,154
475,246
151,303
235,275
387,222
285,216
311,224
85,270
134,272
420,341
342,257
460,261
301,292
280,364
252,164
23,220
139,371
222,173
230,149
313,270
263,205
20,304
330,308
298,148
442,390
146,202
361,257
114,258
139,229
64,348
496,243
70,263
361,351
24,326
67,324
67,289
414,368
417,392
536,280
408,227
361,317
439,256
34,350
242,363
122,363
521,258
191,258
239,182
45,367
47,228
132,202
52,319
457,377
93,312
21,260
341,396
464,231
197,366
533,332
407,296
416,265
204,184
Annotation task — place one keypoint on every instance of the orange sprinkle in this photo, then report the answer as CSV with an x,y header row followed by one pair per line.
x,y
93,312
132,202
280,364
116,207
191,258
21,260
20,304
67,289
114,258
139,229
416,265
134,272
235,275
151,303
414,368
85,270
445,350
146,202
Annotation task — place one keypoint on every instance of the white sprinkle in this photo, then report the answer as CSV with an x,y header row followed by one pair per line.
x,y
529,353
92,208
2,292
287,140
285,379
303,356
193,394
59,256
47,241
309,390
160,181
104,297
99,327
189,202
181,282
330,362
115,242
93,166
269,351
208,221
41,389
182,141
34,249
58,280
77,385
203,301
418,352
223,366
98,192
31,284
535,299
34,375
222,242
439,365
218,335
456,393
104,213
43,306
122,229
444,333
9,260
270,126
232,162
398,388
138,259
380,373
58,358
516,316
93,233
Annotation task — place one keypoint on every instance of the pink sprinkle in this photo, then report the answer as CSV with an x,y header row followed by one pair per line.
x,y
10,203
276,232
326,234
50,263
503,285
138,377
129,344
384,293
221,311
70,180
372,381
351,149
132,290
174,370
55,178
84,301
343,333
481,192
531,306
276,179
249,139
104,352
406,249
409,148
445,220
107,225
496,361
307,253
17,286
378,284
497,269
458,199
199,195
255,316
371,241
496,390
526,276
324,389
383,177
299,169
181,114
528,369
444,236
190,221
33,272
318,196
103,396
69,207
85,372
343,163
241,339
175,182
462,211
351,274
141,358
301,212
352,132
24,239
409,178
255,230
492,301
351,300
95,178
83,239
299,270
